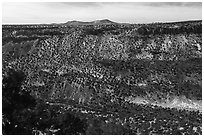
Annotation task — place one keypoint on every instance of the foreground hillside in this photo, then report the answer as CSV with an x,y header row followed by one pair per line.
x,y
102,78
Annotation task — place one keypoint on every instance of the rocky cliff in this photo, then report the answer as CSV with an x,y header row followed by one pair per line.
x,y
107,65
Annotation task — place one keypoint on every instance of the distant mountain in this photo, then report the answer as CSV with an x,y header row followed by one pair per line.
x,y
96,22
105,21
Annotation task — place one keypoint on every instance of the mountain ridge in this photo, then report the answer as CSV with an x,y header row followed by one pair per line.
x,y
96,22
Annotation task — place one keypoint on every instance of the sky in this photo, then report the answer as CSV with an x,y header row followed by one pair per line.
x,y
123,12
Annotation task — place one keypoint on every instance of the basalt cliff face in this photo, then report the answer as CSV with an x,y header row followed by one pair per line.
x,y
113,73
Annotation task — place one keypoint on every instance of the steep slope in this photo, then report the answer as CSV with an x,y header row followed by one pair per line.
x,y
104,69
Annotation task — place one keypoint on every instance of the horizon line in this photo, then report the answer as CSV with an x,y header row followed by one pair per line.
x,y
58,23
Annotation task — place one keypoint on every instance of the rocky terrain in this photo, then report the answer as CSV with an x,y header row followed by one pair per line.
x,y
102,77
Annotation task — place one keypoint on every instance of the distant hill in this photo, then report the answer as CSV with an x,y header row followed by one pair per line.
x,y
96,22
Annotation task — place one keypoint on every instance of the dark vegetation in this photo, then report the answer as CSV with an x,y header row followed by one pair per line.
x,y
61,79
23,114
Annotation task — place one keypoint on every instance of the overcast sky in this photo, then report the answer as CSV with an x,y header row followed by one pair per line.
x,y
126,12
